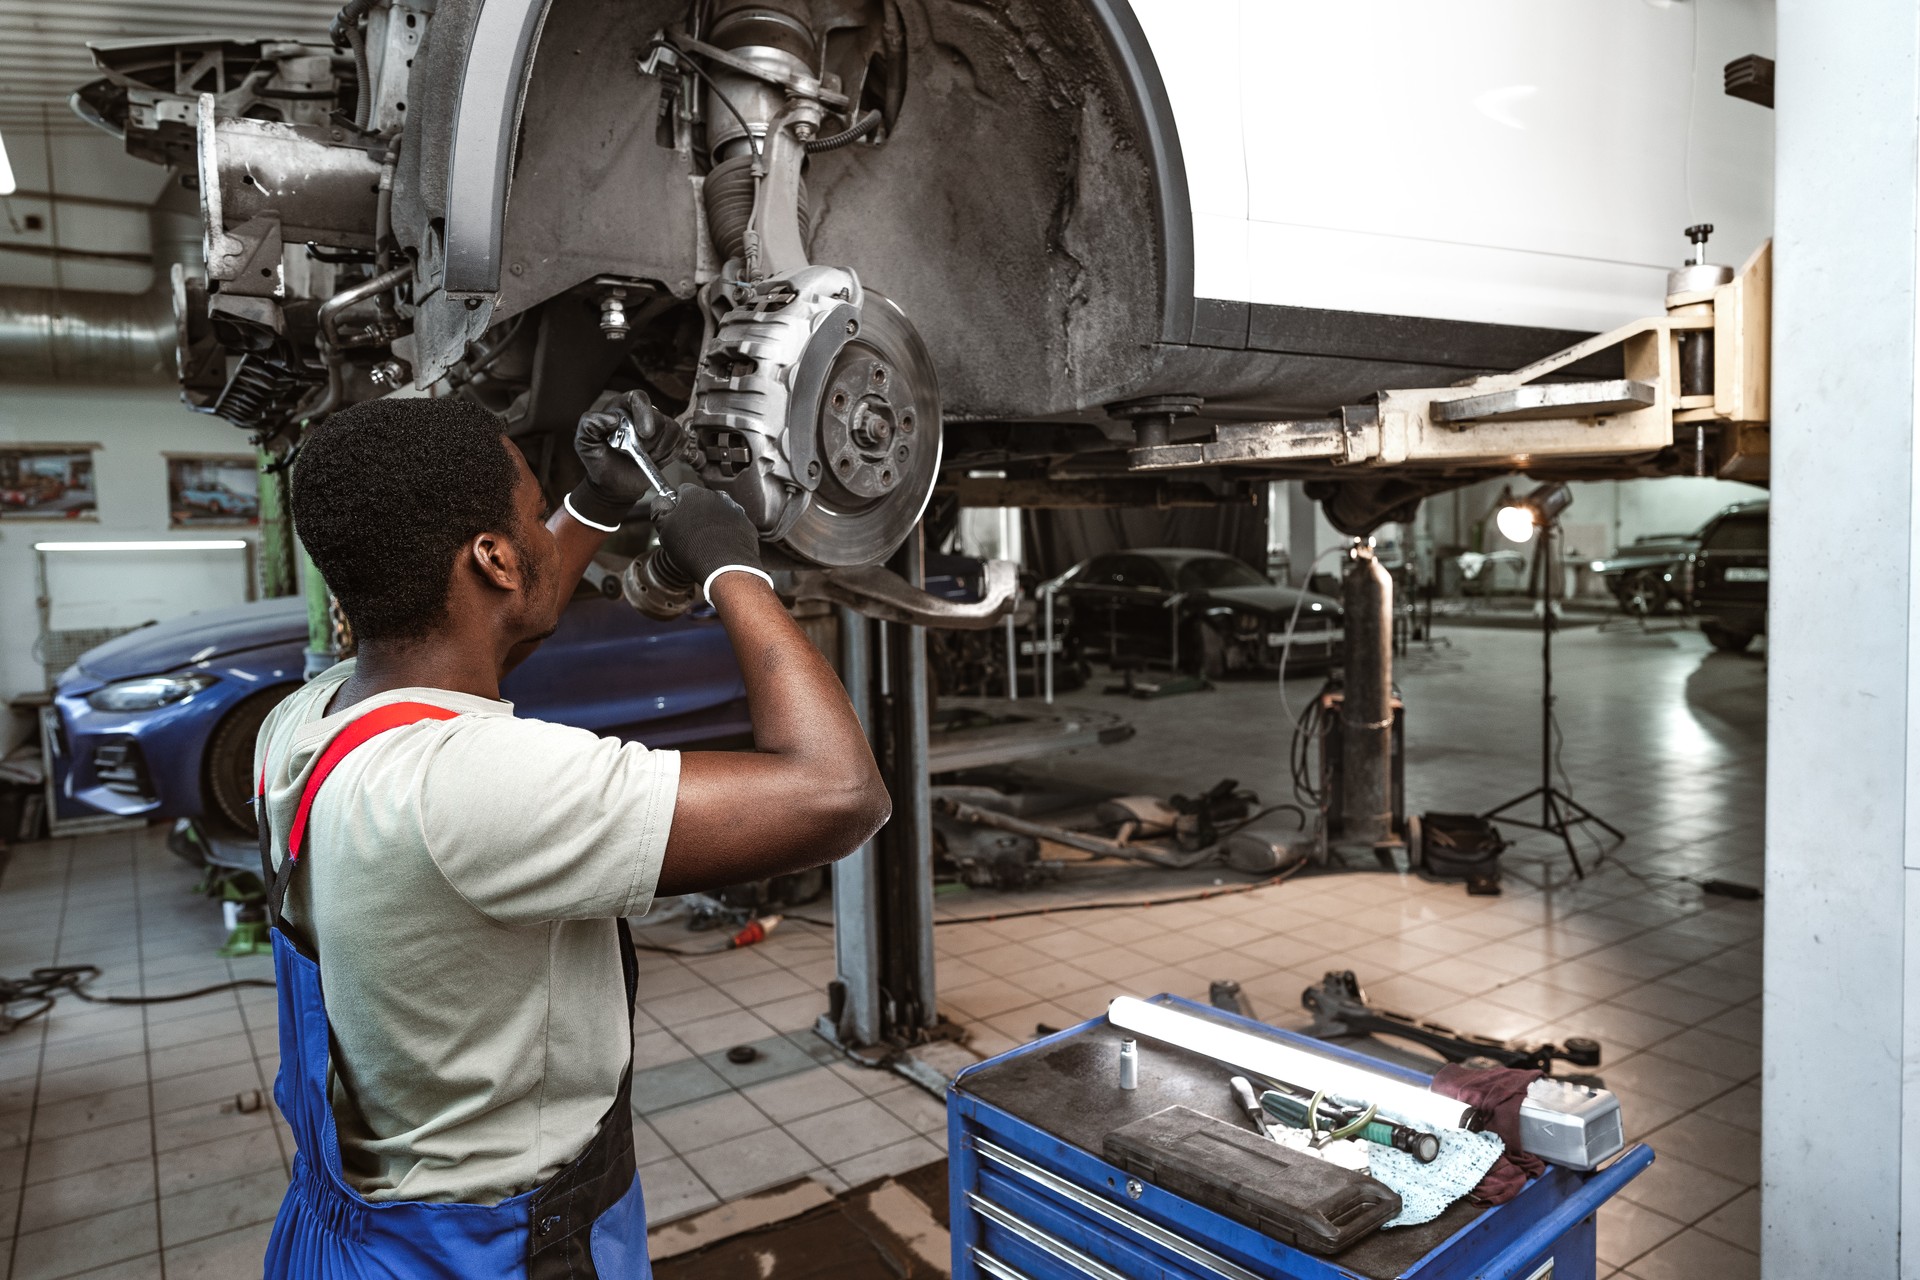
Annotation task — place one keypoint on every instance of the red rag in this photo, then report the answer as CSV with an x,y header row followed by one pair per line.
x,y
1496,1092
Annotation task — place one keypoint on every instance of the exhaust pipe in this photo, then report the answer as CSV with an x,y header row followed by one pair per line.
x,y
65,336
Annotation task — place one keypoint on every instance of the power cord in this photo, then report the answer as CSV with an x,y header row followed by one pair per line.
x,y
44,986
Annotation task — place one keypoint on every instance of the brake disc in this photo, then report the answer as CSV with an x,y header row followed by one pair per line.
x,y
816,408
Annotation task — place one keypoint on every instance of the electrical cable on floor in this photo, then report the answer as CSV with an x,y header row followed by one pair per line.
x,y
47,984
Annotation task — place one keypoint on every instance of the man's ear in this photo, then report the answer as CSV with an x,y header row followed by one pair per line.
x,y
493,557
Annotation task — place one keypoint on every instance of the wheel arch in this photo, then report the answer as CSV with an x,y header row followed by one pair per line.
x,y
1034,156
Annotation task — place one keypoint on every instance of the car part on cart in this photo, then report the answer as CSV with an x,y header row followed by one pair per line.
x,y
1288,1195
1327,1119
1340,1008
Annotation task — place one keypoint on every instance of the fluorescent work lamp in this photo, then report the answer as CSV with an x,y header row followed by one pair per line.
x,y
1276,1061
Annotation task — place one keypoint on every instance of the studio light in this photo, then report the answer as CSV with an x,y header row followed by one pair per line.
x,y
1516,523
1519,518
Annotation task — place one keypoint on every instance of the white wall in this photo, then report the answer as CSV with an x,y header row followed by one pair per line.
x,y
134,429
1842,966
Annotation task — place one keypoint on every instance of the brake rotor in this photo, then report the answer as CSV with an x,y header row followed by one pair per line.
x,y
875,442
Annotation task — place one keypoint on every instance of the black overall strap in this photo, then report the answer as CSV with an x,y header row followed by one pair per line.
x,y
564,1209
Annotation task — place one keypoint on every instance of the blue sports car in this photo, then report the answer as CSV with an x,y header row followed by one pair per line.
x,y
160,722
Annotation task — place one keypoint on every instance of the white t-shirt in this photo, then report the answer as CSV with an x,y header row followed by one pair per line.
x,y
461,884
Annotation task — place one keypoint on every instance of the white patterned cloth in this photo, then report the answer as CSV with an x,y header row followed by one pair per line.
x,y
1426,1190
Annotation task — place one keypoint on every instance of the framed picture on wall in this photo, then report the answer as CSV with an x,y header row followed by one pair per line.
x,y
205,489
47,482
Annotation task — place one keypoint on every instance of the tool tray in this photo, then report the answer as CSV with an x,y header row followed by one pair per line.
x,y
1033,1196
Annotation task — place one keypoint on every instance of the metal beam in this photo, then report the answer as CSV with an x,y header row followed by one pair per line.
x,y
1121,491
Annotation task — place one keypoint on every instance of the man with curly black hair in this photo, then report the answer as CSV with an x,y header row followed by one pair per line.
x,y
456,979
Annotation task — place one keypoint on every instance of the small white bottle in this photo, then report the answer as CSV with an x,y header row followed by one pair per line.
x,y
1129,1065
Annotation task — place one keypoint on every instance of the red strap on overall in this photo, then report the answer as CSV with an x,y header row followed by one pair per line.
x,y
376,722
369,726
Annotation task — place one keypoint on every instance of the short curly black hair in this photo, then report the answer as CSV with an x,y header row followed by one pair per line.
x,y
386,493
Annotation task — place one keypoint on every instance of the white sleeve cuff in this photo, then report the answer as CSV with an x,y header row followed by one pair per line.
x,y
573,511
706,588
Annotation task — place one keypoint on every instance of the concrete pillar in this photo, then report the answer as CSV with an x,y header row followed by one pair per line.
x,y
1841,1117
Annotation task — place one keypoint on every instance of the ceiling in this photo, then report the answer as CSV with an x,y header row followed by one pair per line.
x,y
43,55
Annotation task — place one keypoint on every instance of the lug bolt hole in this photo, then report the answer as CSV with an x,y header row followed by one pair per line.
x,y
839,399
886,477
879,376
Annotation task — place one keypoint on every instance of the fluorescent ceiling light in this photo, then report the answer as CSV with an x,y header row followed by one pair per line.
x,y
7,184
182,544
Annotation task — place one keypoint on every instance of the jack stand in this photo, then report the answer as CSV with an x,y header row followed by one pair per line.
x,y
1363,806
881,1003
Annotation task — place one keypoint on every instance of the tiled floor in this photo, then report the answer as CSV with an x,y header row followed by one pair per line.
x,y
121,1149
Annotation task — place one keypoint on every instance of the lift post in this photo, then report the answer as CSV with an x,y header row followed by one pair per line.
x,y
882,997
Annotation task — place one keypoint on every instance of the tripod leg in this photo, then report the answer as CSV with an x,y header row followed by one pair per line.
x,y
1588,815
1514,803
1564,829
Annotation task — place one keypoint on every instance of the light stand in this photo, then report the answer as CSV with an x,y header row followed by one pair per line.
x,y
1559,812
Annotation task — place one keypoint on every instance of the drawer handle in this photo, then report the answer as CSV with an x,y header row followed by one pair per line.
x,y
1050,1245
1112,1212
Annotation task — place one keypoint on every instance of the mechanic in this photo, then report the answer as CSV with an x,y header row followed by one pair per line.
x,y
456,978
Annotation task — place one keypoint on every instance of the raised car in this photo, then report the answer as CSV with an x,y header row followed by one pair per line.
x,y
1196,610
1073,231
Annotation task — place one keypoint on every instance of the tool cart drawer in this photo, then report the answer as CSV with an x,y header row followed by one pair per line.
x,y
1032,1198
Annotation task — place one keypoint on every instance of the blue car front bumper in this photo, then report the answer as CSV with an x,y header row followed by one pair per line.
x,y
136,763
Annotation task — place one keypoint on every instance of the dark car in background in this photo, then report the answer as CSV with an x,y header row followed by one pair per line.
x,y
160,722
1651,576
1730,577
1196,610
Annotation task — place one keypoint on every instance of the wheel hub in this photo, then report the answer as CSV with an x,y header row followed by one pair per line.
x,y
817,410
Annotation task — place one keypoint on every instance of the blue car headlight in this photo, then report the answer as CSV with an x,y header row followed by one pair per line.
x,y
145,693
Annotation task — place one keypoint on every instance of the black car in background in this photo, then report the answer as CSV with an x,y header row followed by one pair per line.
x,y
1194,610
1650,577
1730,577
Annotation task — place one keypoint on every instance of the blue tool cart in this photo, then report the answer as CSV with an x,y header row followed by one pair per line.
x,y
1032,1198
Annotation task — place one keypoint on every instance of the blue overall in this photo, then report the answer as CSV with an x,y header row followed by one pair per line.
x,y
586,1222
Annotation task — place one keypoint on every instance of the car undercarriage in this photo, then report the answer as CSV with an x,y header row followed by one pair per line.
x,y
859,249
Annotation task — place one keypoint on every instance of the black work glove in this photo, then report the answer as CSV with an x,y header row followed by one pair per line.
x,y
614,482
706,533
